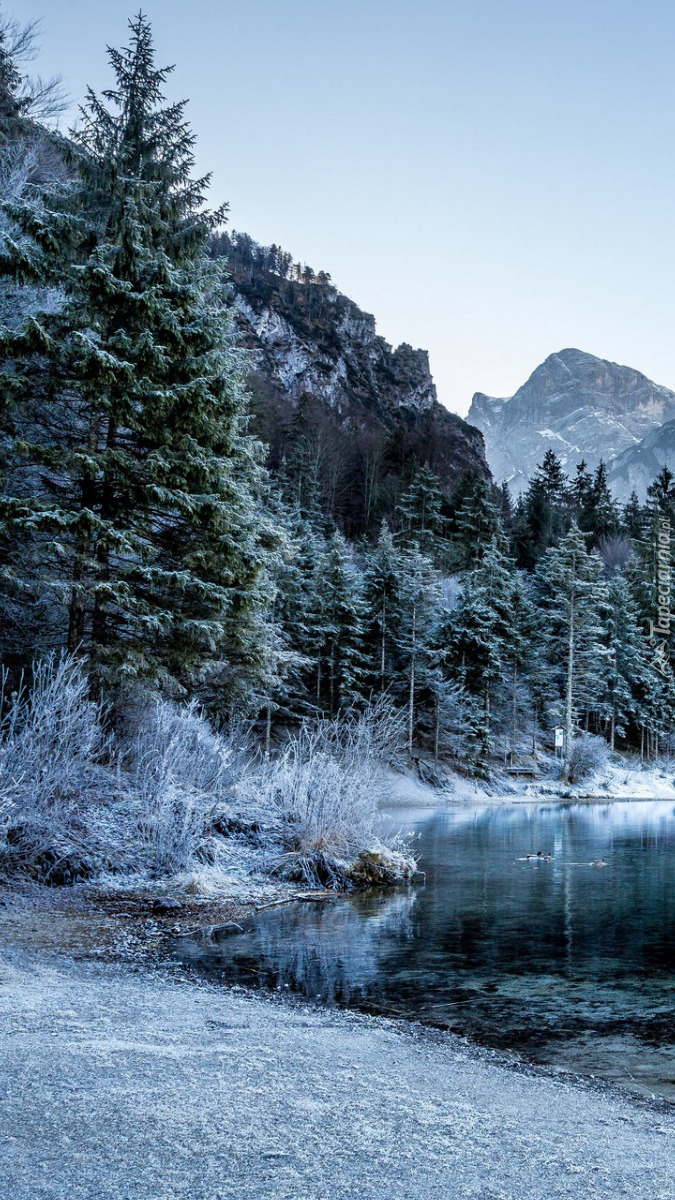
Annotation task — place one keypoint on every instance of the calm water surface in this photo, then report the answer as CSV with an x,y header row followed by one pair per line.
x,y
559,962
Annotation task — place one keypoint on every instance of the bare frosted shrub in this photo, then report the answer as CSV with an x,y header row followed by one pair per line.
x,y
52,742
323,791
181,769
51,736
587,755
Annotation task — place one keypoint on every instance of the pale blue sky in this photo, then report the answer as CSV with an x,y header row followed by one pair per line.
x,y
494,181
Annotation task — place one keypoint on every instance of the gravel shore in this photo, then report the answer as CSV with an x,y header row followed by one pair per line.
x,y
124,1085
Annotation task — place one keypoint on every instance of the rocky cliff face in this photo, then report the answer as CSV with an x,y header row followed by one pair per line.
x,y
575,404
321,372
339,360
638,466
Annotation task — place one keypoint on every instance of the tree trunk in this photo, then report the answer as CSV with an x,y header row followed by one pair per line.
x,y
411,701
99,617
569,697
78,597
76,610
437,729
383,647
268,731
514,727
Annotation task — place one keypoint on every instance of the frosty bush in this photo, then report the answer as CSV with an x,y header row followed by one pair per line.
x,y
182,769
323,791
51,736
588,755
52,740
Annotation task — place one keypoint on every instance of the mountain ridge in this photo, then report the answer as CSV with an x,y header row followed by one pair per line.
x,y
576,404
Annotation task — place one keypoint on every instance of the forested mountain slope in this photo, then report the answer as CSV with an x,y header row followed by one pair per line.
x,y
329,391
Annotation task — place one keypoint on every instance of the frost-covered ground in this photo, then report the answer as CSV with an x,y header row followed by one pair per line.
x,y
120,1086
620,779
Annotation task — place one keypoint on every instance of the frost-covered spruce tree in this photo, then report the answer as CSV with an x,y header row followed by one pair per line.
x,y
30,155
420,606
545,510
383,585
298,613
133,481
633,519
476,524
605,519
573,602
629,689
421,517
519,652
339,599
481,644
650,566
655,706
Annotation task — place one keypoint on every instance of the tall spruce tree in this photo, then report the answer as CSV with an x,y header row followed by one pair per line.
x,y
476,524
341,673
544,515
519,652
421,517
580,492
627,681
383,585
420,605
661,492
649,565
143,513
479,628
633,519
604,519
573,602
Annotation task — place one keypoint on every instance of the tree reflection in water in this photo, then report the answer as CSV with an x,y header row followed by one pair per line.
x,y
558,961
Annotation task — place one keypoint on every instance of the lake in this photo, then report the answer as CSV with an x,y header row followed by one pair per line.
x,y
558,962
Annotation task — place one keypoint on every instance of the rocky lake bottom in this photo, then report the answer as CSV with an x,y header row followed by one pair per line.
x,y
543,930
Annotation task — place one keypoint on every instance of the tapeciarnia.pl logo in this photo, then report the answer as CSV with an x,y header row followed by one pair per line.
x,y
659,630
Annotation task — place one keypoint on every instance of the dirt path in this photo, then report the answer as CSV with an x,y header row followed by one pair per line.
x,y
117,1085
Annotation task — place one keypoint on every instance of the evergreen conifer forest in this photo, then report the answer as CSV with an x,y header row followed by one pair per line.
x,y
175,543
337,730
